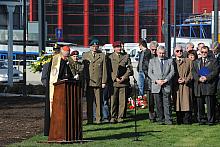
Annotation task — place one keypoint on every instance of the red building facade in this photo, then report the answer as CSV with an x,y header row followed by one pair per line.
x,y
108,20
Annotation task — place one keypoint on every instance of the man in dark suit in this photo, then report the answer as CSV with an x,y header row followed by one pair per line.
x,y
161,72
205,72
142,68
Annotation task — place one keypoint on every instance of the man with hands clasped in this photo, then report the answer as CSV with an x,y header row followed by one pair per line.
x,y
121,69
161,72
205,74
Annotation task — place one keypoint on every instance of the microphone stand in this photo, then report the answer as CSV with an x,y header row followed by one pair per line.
x,y
135,110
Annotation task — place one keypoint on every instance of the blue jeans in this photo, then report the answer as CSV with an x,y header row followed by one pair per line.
x,y
105,107
141,79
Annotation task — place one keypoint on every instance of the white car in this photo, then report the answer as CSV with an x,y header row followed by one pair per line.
x,y
17,75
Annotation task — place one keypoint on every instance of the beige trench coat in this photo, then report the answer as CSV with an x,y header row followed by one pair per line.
x,y
182,92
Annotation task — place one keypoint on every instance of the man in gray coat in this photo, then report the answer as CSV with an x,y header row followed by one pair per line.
x,y
161,72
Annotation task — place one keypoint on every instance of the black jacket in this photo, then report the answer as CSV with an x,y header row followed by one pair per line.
x,y
210,86
145,62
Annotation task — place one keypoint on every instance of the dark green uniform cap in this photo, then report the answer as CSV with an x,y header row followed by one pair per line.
x,y
94,42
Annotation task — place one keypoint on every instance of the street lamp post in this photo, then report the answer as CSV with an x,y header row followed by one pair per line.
x,y
167,28
10,8
215,20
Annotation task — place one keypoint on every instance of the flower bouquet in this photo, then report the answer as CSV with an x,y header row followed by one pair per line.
x,y
140,102
37,65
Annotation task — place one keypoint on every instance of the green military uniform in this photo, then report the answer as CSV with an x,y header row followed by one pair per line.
x,y
120,66
96,75
76,67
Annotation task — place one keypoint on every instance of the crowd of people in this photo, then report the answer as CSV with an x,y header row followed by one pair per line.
x,y
184,83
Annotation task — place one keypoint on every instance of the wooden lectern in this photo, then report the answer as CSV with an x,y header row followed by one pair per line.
x,y
66,118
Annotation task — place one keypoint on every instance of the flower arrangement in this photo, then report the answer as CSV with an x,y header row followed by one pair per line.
x,y
140,102
37,65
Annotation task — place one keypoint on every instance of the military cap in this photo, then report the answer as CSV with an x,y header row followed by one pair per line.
x,y
117,43
94,42
74,53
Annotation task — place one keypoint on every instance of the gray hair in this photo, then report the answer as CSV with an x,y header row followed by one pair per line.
x,y
189,44
161,47
154,43
178,46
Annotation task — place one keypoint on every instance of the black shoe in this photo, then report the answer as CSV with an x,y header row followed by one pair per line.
x,y
152,120
161,123
202,122
89,123
169,123
211,124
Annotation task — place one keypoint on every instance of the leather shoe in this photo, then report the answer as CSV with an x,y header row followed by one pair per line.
x,y
105,121
113,121
120,120
98,122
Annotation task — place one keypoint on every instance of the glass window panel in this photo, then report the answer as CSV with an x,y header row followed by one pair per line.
x,y
73,29
124,30
73,9
51,8
99,30
98,19
73,1
151,30
124,20
125,38
147,20
73,19
51,19
75,39
99,9
99,1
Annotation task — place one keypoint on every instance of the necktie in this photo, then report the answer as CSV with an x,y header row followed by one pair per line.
x,y
93,55
161,65
203,61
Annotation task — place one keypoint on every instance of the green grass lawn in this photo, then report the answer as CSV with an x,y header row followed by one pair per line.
x,y
150,134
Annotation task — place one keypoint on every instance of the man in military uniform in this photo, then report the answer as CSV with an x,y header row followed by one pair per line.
x,y
121,69
76,67
96,78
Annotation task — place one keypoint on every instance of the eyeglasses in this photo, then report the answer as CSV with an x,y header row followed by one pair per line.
x,y
177,51
153,49
204,52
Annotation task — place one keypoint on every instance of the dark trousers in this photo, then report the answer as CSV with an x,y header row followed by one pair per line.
x,y
184,117
163,105
210,102
151,103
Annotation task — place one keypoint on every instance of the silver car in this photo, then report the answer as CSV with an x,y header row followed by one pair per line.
x,y
17,75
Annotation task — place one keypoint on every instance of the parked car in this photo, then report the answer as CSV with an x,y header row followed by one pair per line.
x,y
17,75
